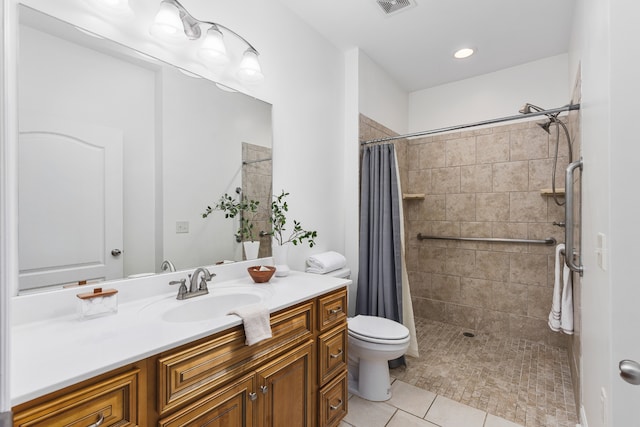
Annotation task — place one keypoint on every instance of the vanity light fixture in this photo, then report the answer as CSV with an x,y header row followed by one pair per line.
x,y
117,6
174,22
463,53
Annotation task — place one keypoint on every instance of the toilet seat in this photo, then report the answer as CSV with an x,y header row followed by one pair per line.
x,y
377,330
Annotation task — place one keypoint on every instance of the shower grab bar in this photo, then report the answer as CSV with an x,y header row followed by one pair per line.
x,y
570,250
547,241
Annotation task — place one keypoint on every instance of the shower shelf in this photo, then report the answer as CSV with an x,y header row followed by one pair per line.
x,y
549,192
413,196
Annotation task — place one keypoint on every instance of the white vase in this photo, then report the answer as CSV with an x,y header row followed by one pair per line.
x,y
251,249
280,256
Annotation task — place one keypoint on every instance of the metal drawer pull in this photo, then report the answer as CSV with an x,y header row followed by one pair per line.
x,y
335,310
334,407
253,396
99,422
264,389
335,356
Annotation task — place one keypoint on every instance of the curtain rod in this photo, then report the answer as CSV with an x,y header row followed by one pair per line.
x,y
469,125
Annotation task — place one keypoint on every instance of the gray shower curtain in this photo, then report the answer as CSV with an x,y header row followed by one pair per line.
x,y
380,264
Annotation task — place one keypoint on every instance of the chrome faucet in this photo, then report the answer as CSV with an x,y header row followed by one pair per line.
x,y
167,266
195,288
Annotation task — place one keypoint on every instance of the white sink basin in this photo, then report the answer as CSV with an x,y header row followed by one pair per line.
x,y
217,303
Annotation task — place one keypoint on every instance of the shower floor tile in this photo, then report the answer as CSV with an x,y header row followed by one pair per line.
x,y
525,382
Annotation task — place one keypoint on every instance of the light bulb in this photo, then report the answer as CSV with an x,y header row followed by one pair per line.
x,y
249,69
213,48
113,6
167,24
463,53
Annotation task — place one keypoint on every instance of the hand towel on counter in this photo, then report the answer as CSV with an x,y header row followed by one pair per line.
x,y
325,262
255,318
561,314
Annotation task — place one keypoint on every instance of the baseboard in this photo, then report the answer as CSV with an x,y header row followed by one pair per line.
x,y
6,419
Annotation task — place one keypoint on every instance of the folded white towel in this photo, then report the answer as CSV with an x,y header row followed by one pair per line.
x,y
566,311
561,314
325,262
255,318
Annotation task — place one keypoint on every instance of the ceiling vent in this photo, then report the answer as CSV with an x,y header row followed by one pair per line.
x,y
390,7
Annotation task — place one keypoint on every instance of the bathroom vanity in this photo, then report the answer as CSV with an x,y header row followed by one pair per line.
x,y
189,373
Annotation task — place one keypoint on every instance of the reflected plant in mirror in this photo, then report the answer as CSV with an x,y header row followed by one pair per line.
x,y
245,209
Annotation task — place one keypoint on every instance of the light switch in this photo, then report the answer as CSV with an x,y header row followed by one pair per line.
x,y
182,226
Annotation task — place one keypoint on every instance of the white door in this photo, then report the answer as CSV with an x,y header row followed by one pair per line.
x,y
70,202
625,211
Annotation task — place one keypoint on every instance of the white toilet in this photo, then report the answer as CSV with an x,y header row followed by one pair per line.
x,y
373,341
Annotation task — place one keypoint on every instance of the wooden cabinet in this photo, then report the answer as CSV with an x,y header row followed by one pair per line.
x,y
110,400
297,378
196,369
332,358
276,395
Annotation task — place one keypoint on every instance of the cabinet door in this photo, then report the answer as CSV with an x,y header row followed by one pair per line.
x,y
284,391
233,406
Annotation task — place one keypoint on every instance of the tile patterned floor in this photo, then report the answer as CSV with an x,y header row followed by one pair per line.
x,y
521,381
411,406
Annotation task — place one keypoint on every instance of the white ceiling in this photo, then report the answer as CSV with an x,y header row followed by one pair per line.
x,y
415,46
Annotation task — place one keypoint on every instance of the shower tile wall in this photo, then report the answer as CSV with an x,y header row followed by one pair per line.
x,y
256,183
484,183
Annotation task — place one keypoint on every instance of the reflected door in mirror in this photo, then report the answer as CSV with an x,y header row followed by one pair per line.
x,y
70,202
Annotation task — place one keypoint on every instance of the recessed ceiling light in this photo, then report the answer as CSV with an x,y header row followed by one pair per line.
x,y
463,53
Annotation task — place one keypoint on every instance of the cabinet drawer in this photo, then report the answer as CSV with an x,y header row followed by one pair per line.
x,y
232,406
334,399
196,369
115,400
332,347
333,309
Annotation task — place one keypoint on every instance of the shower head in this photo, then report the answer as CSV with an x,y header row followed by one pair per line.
x,y
545,126
529,108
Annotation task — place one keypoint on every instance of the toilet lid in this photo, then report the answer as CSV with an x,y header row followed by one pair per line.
x,y
377,328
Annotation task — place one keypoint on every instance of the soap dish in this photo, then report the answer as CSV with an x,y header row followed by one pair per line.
x,y
99,302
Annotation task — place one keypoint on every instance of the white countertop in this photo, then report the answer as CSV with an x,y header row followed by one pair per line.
x,y
50,353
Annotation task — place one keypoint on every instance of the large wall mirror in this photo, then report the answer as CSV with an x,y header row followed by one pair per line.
x,y
119,156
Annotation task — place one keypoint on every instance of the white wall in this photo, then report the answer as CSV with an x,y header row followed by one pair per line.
x,y
381,98
499,94
591,46
352,169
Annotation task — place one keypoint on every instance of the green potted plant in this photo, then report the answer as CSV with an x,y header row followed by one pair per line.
x,y
282,236
246,210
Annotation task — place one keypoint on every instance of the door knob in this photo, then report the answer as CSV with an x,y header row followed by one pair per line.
x,y
630,371
116,252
